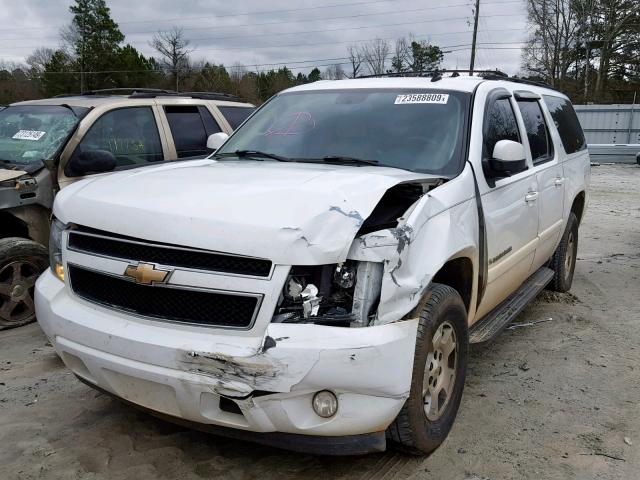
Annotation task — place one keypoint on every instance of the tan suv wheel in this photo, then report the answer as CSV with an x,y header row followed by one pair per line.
x,y
21,263
439,369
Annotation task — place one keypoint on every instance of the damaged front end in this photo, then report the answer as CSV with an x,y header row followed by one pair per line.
x,y
347,294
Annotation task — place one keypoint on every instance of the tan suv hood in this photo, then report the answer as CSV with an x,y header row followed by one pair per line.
x,y
290,213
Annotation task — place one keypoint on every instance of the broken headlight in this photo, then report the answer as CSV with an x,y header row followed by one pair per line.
x,y
343,294
55,248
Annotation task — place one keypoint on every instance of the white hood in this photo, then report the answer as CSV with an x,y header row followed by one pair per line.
x,y
290,213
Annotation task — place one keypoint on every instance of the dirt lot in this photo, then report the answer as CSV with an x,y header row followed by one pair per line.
x,y
559,399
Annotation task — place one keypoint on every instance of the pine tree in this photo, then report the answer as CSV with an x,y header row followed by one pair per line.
x,y
315,75
96,40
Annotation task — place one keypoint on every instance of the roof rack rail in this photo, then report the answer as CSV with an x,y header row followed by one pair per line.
x,y
436,75
522,80
199,95
134,92
127,90
437,72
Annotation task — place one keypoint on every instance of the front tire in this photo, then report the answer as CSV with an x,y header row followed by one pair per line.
x,y
21,263
563,262
439,370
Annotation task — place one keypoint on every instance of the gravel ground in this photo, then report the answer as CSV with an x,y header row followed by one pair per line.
x,y
556,399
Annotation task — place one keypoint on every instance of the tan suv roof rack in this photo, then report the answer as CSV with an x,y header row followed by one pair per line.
x,y
134,92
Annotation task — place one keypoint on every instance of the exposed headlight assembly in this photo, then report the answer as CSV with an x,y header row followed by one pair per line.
x,y
343,294
55,248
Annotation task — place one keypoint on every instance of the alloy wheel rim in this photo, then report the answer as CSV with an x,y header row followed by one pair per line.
x,y
568,262
17,282
440,371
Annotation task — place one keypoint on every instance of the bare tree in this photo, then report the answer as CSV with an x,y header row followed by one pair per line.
x,y
375,54
614,19
550,50
401,55
334,72
355,58
38,60
236,72
174,50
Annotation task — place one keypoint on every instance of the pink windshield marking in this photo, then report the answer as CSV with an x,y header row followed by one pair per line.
x,y
300,122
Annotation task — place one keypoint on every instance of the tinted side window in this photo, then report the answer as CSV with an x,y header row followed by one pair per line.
x,y
537,131
210,125
501,124
566,121
188,130
236,115
130,134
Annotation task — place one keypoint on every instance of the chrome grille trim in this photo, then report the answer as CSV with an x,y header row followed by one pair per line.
x,y
170,247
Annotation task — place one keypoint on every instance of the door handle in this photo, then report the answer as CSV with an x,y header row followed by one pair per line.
x,y
559,181
531,197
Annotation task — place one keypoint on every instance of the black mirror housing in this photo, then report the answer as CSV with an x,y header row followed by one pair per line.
x,y
91,161
507,167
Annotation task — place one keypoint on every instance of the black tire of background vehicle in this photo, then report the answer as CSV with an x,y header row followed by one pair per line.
x,y
21,263
412,431
563,261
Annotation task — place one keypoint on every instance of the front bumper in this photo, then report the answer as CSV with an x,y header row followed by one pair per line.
x,y
183,371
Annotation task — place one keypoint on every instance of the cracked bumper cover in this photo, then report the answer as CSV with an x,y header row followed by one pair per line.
x,y
183,371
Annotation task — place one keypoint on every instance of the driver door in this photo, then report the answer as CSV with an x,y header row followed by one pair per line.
x,y
510,207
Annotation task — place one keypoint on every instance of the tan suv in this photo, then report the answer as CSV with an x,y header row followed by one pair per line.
x,y
47,144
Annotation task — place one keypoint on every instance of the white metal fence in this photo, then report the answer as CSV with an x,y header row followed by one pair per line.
x,y
612,131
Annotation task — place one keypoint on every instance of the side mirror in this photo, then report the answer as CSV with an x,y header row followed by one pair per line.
x,y
508,158
215,141
91,161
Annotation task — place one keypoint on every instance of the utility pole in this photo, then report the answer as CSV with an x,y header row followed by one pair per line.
x,y
475,34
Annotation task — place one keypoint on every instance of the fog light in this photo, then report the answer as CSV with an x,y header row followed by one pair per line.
x,y
325,404
59,271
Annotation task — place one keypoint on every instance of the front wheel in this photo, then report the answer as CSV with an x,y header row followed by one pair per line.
x,y
439,370
563,262
21,263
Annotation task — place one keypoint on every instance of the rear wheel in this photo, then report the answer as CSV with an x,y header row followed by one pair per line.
x,y
21,263
563,262
439,370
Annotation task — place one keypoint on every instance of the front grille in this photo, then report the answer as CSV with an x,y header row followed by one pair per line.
x,y
166,303
137,250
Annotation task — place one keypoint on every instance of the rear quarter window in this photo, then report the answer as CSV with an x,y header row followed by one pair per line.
x,y
236,115
566,121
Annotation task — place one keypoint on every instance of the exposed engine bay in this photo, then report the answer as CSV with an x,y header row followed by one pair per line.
x,y
345,294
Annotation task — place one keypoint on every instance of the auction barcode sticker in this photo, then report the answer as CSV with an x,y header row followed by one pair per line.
x,y
28,135
440,98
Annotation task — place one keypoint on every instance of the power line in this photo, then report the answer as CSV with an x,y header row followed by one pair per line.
x,y
458,47
244,47
267,12
360,15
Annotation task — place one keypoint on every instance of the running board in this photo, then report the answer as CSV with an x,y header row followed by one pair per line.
x,y
494,322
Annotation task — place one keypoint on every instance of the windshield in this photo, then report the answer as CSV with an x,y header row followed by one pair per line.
x,y
31,133
414,130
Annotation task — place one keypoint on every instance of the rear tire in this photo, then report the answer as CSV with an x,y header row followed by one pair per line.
x,y
21,263
439,370
563,262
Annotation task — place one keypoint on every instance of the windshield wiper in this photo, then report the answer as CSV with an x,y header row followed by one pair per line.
x,y
253,154
339,160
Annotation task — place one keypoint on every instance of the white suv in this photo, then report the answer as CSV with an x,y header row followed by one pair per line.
x,y
316,284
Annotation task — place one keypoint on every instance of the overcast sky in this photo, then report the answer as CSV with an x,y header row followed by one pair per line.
x,y
262,32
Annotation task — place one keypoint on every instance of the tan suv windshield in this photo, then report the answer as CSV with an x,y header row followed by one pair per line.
x,y
31,133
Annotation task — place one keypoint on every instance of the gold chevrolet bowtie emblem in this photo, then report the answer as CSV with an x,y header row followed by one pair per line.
x,y
146,273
